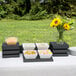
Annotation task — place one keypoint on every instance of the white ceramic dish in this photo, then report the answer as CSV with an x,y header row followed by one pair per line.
x,y
28,46
72,51
44,54
42,46
30,56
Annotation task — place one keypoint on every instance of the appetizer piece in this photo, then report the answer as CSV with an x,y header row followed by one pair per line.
x,y
45,53
28,46
11,41
30,54
42,46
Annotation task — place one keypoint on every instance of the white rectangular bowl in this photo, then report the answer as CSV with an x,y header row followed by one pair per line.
x,y
28,46
42,46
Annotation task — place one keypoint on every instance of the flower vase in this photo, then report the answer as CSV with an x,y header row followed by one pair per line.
x,y
60,38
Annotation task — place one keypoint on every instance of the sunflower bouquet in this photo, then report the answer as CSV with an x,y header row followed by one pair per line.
x,y
61,25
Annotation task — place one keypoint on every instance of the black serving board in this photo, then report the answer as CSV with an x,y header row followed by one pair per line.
x,y
56,46
21,48
11,52
60,55
59,51
11,56
6,47
37,59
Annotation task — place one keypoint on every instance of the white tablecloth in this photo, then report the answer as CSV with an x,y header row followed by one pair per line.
x,y
62,66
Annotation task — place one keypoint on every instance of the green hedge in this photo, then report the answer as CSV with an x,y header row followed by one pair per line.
x,y
27,9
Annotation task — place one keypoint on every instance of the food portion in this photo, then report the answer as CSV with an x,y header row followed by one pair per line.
x,y
11,40
45,53
30,54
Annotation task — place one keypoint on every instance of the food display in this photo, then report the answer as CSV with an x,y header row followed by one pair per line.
x,y
30,54
45,53
11,40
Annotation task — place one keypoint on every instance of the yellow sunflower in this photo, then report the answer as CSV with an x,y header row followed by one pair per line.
x,y
66,26
55,22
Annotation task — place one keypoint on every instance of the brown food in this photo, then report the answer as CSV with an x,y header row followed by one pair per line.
x,y
11,40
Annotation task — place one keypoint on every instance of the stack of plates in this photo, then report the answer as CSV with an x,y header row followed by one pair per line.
x,y
72,51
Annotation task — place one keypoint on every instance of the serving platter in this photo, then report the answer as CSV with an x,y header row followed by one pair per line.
x,y
37,59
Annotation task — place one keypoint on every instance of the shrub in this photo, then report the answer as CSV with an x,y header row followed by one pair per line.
x,y
35,9
37,12
13,16
2,12
39,15
22,9
25,17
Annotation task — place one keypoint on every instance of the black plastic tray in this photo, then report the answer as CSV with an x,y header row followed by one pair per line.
x,y
11,52
37,59
56,46
60,55
11,56
59,51
6,47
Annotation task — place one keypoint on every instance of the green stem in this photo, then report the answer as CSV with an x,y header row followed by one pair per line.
x,y
60,35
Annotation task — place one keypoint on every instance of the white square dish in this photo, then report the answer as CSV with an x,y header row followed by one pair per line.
x,y
28,46
42,46
72,51
30,54
45,54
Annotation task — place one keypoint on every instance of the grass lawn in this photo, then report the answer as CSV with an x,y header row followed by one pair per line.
x,y
33,31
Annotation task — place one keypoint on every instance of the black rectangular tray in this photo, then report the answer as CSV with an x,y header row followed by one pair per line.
x,y
6,47
37,59
60,51
60,55
56,46
11,52
11,56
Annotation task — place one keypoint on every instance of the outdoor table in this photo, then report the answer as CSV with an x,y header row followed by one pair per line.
x,y
61,66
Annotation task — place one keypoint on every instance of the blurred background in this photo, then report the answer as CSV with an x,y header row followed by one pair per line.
x,y
29,20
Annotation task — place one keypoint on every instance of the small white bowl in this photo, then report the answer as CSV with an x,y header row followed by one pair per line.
x,y
31,56
72,51
28,46
42,46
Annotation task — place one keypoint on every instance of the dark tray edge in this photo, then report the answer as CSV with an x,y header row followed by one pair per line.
x,y
37,59
10,56
60,55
